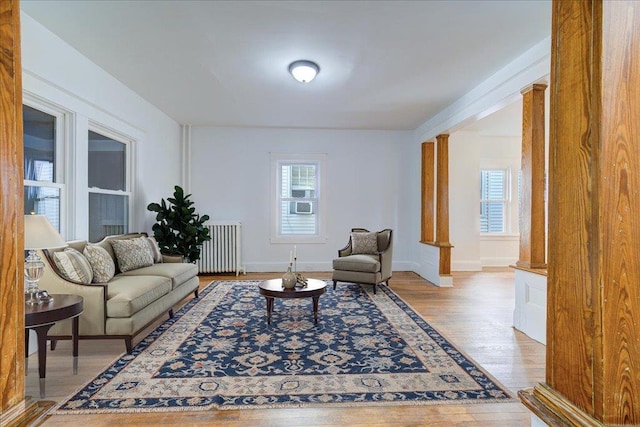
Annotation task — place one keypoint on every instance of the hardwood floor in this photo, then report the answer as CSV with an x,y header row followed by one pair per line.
x,y
476,315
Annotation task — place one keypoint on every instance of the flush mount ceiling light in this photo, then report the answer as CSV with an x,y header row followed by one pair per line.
x,y
304,71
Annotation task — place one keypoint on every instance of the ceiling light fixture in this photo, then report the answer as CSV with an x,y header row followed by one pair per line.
x,y
304,71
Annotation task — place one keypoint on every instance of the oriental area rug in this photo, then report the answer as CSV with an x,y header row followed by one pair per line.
x,y
219,353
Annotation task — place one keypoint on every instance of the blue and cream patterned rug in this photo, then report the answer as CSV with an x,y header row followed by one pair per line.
x,y
219,353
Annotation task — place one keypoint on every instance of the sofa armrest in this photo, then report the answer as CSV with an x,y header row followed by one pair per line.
x,y
92,320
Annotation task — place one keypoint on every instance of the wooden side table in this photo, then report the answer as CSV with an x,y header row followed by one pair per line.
x,y
42,317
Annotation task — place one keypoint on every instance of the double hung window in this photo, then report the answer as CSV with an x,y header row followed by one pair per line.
x,y
494,198
297,199
43,162
109,188
77,172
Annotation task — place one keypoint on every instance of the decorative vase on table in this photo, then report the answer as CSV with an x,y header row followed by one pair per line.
x,y
289,279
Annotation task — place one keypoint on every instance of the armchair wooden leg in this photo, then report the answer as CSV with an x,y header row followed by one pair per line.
x,y
375,286
334,284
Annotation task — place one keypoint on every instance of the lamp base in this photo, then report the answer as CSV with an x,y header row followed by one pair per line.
x,y
31,298
37,297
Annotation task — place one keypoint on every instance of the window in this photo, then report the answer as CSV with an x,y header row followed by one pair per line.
x,y
297,201
109,193
43,137
493,200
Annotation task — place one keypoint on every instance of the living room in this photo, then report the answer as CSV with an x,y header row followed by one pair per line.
x,y
372,176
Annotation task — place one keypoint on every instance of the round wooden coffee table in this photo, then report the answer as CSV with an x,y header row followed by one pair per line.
x,y
273,288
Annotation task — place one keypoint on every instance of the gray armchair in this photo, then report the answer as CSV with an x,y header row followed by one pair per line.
x,y
365,259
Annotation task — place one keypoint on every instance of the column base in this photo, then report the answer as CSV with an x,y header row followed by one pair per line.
x,y
29,412
554,409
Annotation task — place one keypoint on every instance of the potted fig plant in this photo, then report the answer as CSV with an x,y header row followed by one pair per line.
x,y
179,230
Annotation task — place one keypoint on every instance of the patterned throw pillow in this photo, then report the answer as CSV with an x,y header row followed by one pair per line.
x,y
364,243
73,266
132,253
101,263
155,249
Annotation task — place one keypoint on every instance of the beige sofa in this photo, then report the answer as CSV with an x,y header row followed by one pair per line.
x,y
127,303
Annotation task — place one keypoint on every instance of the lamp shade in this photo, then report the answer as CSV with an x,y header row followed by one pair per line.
x,y
39,233
304,71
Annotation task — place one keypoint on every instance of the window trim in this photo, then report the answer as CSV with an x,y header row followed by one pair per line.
x,y
277,160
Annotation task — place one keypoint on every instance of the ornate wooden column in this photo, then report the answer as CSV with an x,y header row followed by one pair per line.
x,y
428,167
593,332
531,215
11,210
442,204
14,408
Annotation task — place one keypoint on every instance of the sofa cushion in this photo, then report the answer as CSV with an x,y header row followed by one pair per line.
x,y
363,263
155,249
73,266
126,295
132,253
364,243
178,272
101,262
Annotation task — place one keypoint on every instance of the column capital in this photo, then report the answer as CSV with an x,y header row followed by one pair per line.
x,y
534,87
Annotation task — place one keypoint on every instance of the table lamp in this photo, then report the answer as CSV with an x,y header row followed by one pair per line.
x,y
38,234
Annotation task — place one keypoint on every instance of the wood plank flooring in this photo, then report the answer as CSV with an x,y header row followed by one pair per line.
x,y
476,315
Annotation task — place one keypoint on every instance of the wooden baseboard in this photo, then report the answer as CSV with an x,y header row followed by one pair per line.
x,y
29,412
554,409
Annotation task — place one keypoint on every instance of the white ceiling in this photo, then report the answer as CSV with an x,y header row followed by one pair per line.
x,y
384,64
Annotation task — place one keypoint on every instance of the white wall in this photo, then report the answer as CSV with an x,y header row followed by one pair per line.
x,y
364,187
58,74
470,152
464,198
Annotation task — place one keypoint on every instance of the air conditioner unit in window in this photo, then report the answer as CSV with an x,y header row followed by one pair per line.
x,y
304,208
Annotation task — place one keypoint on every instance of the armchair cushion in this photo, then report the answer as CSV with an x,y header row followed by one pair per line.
x,y
364,243
361,262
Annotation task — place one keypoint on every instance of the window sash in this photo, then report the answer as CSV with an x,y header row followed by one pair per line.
x,y
493,200
119,161
47,200
301,177
110,218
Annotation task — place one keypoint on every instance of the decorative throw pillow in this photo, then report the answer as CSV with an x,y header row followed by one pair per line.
x,y
155,249
132,253
73,266
364,243
101,263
